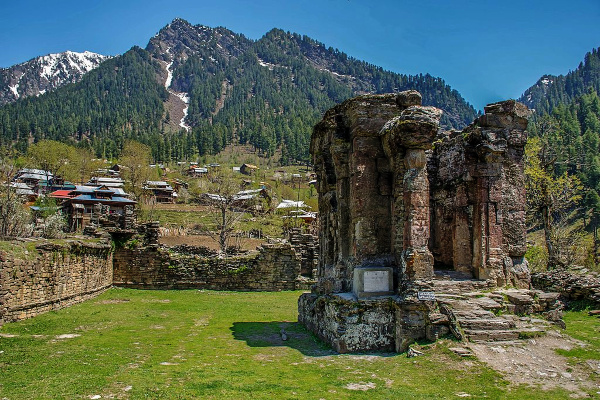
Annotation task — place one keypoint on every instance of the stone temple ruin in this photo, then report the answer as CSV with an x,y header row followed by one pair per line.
x,y
402,204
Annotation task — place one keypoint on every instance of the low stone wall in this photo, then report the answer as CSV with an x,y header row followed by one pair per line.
x,y
51,276
383,325
570,286
275,267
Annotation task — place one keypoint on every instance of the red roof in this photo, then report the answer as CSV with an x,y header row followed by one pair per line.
x,y
61,194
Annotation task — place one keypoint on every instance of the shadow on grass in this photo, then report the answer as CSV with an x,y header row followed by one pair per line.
x,y
269,334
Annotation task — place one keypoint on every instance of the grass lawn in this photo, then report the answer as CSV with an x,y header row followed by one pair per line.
x,y
224,345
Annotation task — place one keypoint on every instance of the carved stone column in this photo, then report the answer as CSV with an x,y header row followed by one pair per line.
x,y
406,138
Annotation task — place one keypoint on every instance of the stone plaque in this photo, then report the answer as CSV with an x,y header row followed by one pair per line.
x,y
373,282
376,281
426,296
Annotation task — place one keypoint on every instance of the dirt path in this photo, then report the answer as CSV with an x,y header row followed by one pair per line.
x,y
536,362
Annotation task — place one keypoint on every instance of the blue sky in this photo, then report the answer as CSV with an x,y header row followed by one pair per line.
x,y
487,50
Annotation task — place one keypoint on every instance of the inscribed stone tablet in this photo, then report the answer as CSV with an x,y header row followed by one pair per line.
x,y
376,281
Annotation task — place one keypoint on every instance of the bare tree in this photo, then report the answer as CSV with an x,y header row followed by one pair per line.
x,y
222,199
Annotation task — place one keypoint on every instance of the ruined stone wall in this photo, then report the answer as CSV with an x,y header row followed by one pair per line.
x,y
52,276
274,268
369,157
306,246
571,286
478,197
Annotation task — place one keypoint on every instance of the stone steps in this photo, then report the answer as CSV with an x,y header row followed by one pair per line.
x,y
459,286
486,324
490,335
474,316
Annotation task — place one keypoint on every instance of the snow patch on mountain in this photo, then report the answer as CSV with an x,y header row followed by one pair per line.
x,y
263,63
183,96
15,90
186,99
42,74
169,75
61,66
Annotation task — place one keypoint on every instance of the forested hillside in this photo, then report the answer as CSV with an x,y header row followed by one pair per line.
x,y
551,91
268,93
122,98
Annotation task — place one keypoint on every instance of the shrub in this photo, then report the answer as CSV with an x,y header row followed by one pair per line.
x,y
54,226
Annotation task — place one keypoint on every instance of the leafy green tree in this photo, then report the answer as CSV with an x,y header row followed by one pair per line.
x,y
549,196
135,159
55,157
84,164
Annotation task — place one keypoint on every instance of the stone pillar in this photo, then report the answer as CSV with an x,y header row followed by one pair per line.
x,y
355,189
417,260
406,138
495,146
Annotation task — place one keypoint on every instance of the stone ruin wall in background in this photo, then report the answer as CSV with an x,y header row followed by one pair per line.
x,y
58,274
53,276
276,267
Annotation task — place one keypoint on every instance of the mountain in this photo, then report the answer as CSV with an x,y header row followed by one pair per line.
x,y
46,73
195,89
550,91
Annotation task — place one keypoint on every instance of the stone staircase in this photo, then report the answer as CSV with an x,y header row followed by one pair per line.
x,y
499,315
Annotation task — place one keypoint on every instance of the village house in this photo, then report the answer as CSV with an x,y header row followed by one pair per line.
x,y
78,204
22,189
195,171
37,180
114,182
162,191
248,169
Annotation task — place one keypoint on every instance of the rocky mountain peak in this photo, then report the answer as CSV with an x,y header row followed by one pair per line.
x,y
180,40
538,91
42,74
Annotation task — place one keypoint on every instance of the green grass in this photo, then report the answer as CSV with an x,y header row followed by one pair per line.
x,y
586,328
20,250
219,345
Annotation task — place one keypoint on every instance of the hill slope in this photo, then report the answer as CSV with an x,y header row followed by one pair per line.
x,y
550,91
194,89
